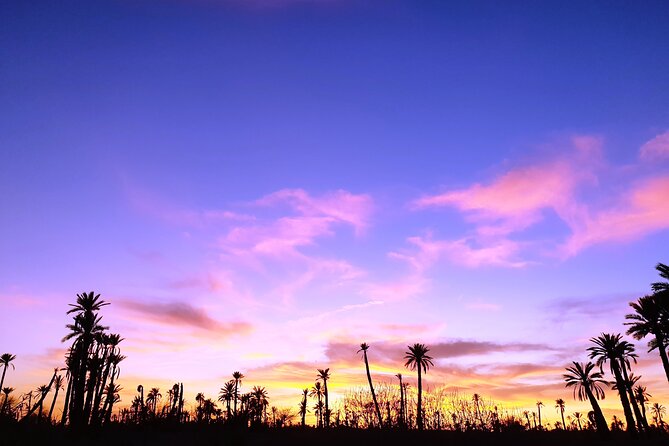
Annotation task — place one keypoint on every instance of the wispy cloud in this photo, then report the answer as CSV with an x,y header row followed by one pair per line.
x,y
655,149
184,315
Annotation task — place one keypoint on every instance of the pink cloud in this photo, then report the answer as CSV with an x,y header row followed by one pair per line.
x,y
498,252
642,211
314,217
516,199
656,149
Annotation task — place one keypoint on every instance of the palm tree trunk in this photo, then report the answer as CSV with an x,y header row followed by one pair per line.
x,y
564,425
622,392
371,387
600,421
419,415
53,403
63,418
401,403
635,406
327,407
2,381
663,354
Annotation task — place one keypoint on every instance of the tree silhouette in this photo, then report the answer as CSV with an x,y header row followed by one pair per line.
x,y
539,406
5,361
559,405
587,384
324,375
363,348
661,287
651,317
402,401
227,394
658,410
612,349
417,358
7,391
303,406
58,385
642,396
237,376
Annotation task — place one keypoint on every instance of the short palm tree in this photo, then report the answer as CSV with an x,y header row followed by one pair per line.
x,y
58,384
642,396
152,399
5,361
612,349
658,410
303,406
363,348
6,391
559,405
317,391
417,358
402,401
324,375
227,394
588,385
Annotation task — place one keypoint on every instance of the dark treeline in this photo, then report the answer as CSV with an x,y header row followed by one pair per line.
x,y
87,386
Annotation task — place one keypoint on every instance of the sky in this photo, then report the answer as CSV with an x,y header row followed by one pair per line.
x,y
262,185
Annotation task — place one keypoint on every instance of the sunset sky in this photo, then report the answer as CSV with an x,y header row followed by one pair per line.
x,y
262,185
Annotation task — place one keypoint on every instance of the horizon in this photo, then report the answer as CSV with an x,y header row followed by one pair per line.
x,y
263,186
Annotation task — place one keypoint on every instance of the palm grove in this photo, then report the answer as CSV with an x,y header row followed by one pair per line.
x,y
89,392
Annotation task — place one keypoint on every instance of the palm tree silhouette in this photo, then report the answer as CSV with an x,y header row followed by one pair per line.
x,y
58,384
658,410
651,317
152,399
402,401
237,376
5,361
539,406
417,358
317,391
587,384
363,348
303,406
6,391
578,416
324,375
559,405
612,349
227,394
661,287
642,396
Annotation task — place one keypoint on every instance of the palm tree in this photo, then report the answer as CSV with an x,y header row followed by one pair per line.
x,y
539,405
578,416
651,317
237,376
642,396
587,384
527,418
303,406
152,398
417,358
659,410
612,349
661,287
58,384
260,401
6,391
324,375
402,400
5,361
317,391
559,405
227,394
363,348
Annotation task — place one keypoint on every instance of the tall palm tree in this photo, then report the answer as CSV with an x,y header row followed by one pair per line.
x,y
612,349
324,375
402,401
539,406
58,384
559,405
588,384
5,361
417,358
642,396
237,376
651,317
303,406
658,410
363,348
